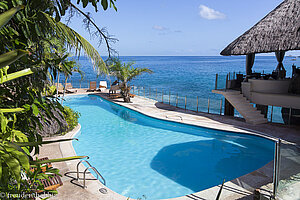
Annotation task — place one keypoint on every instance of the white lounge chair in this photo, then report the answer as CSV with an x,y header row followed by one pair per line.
x,y
69,88
103,84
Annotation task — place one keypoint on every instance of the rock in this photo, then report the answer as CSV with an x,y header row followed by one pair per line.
x,y
51,126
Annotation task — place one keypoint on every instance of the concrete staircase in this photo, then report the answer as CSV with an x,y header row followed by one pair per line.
x,y
243,106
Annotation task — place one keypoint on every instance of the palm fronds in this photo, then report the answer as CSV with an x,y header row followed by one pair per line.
x,y
75,41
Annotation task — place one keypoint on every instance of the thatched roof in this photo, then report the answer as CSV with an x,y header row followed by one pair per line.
x,y
278,31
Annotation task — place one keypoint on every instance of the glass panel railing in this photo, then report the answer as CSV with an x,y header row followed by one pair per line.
x,y
288,172
220,81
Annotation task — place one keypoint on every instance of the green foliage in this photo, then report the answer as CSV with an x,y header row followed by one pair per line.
x,y
6,16
50,90
11,56
31,38
125,71
71,118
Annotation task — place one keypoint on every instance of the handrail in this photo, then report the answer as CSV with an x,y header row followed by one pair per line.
x,y
89,167
77,167
96,171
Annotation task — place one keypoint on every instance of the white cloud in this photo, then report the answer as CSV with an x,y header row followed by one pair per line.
x,y
209,13
159,28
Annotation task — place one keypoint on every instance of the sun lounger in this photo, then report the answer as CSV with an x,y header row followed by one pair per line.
x,y
114,89
43,167
69,88
60,88
103,84
93,86
52,184
115,96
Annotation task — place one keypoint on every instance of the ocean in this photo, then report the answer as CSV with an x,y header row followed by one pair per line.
x,y
187,76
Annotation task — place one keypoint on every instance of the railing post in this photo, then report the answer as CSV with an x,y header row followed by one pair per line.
x,y
177,100
169,97
185,103
162,96
197,103
276,166
272,114
290,115
221,102
208,105
226,84
216,82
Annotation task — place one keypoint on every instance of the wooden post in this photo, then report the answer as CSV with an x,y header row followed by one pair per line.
x,y
229,109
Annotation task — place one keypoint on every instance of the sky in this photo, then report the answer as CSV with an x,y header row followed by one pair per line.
x,y
173,27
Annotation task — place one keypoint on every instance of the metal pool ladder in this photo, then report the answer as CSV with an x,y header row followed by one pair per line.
x,y
85,171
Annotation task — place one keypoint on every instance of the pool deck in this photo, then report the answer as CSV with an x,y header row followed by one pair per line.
x,y
240,188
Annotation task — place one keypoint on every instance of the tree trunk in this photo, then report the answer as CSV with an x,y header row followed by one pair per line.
x,y
57,85
64,90
125,93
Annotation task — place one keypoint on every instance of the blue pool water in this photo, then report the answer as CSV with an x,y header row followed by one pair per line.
x,y
143,157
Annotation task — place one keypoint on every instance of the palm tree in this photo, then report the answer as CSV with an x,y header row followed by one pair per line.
x,y
125,72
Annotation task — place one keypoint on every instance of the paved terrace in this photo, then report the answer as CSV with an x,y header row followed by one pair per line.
x,y
240,188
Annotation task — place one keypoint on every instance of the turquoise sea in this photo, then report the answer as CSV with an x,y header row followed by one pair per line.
x,y
189,76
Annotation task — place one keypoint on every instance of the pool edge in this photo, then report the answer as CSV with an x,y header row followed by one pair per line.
x,y
237,184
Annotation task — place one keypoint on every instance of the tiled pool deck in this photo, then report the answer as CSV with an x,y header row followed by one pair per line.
x,y
240,188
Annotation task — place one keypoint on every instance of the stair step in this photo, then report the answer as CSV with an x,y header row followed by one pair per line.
x,y
257,121
253,115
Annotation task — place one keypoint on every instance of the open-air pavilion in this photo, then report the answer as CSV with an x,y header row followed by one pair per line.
x,y
278,31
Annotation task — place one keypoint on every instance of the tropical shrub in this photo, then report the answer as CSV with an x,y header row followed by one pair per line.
x,y
71,118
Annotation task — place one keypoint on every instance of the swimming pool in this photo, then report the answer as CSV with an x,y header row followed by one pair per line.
x,y
143,157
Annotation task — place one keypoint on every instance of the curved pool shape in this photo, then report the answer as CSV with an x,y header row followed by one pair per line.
x,y
148,158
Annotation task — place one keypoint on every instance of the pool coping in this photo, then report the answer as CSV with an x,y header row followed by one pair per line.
x,y
232,189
